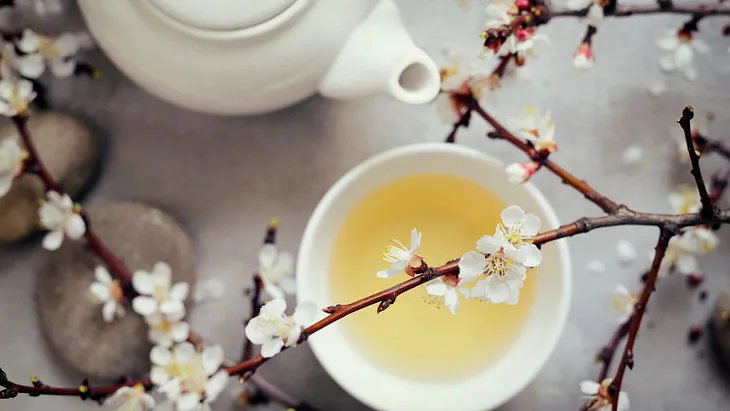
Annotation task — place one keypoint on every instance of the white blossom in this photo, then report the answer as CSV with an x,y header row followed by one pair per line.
x,y
38,50
190,379
276,269
401,257
157,294
522,40
510,252
273,329
684,248
167,330
677,49
521,172
15,96
446,289
108,292
60,216
537,127
12,159
583,58
595,9
459,78
599,398
130,399
685,200
626,251
622,304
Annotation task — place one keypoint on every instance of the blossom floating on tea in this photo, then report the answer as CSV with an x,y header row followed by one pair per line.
x,y
157,294
599,398
273,329
12,157
622,304
130,399
108,292
60,216
401,257
276,269
190,379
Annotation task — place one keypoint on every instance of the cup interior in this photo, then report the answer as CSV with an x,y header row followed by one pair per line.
x,y
500,381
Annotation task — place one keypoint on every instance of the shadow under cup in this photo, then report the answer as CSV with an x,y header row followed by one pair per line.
x,y
382,390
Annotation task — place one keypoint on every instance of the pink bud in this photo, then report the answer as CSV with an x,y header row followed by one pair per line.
x,y
521,172
522,4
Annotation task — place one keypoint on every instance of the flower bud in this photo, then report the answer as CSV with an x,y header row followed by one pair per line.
x,y
521,172
583,59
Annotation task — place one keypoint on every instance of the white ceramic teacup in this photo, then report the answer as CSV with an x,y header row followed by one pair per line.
x,y
497,383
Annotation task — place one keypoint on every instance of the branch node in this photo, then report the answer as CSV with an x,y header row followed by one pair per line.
x,y
385,304
332,309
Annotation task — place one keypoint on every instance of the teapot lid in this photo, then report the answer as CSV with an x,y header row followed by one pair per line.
x,y
222,14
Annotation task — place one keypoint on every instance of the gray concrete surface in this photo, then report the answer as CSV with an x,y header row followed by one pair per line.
x,y
224,178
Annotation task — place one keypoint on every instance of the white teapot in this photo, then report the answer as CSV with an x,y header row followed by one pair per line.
x,y
253,56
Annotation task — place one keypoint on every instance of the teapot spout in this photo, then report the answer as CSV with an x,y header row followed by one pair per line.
x,y
380,58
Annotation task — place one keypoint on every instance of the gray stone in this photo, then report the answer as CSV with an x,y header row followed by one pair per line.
x,y
69,152
140,236
720,324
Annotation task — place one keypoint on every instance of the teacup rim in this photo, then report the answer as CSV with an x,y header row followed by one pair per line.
x,y
351,176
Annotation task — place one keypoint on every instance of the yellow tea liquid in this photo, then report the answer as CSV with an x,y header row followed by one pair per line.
x,y
417,338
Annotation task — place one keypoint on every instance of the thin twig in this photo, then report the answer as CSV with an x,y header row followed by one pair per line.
x,y
625,10
583,187
605,357
627,360
685,122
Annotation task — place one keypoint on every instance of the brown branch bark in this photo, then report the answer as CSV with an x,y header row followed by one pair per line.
x,y
605,357
36,166
627,360
685,122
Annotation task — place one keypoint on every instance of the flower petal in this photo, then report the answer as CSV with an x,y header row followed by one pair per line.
x,y
102,275
179,291
143,283
512,214
31,65
172,307
305,313
100,292
212,358
267,256
75,227
53,240
451,300
666,63
588,387
514,296
683,56
394,269
668,42
29,42
184,352
272,290
471,265
437,288
530,225
158,376
108,311
289,285
160,355
274,308
415,240
595,14
488,244
143,305
188,402
272,347
67,44
63,68
216,384
180,331
530,255
498,293
256,334
162,274
171,388
687,263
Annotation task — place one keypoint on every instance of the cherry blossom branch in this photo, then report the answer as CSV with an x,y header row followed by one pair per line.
x,y
627,360
581,186
626,10
605,356
685,123
35,166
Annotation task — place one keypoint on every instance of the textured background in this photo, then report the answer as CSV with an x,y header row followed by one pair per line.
x,y
225,177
